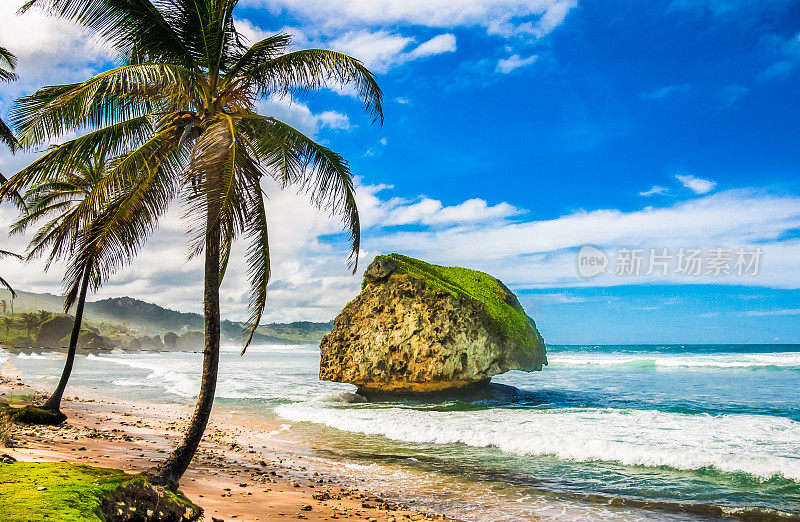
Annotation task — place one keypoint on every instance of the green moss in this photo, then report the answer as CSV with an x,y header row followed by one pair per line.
x,y
73,492
500,304
34,415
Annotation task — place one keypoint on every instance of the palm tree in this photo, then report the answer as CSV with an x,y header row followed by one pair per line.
x,y
30,321
8,322
62,202
3,282
181,112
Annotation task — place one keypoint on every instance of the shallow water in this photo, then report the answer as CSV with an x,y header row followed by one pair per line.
x,y
629,432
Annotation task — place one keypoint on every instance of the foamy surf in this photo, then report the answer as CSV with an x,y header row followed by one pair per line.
x,y
784,360
759,445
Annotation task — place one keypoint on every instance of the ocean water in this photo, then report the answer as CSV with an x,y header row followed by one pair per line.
x,y
604,432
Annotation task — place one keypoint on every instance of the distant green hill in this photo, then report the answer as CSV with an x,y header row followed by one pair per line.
x,y
151,319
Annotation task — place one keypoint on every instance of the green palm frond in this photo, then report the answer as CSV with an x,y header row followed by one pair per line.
x,y
312,69
295,159
136,28
8,62
258,263
176,121
114,96
60,160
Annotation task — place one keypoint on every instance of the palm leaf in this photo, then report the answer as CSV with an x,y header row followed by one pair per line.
x,y
311,69
136,28
7,59
112,97
295,159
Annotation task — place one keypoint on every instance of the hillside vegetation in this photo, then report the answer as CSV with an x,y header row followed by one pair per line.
x,y
124,318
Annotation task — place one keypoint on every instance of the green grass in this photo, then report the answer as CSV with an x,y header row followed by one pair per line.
x,y
74,491
500,304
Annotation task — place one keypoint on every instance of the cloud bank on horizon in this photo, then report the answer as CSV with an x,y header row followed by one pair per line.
x,y
517,132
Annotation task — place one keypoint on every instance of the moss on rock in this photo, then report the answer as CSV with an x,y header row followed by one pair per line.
x,y
74,492
35,415
498,301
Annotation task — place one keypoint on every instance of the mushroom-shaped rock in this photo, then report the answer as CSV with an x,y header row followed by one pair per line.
x,y
418,328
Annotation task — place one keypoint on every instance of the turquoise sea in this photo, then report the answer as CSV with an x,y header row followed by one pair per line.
x,y
646,432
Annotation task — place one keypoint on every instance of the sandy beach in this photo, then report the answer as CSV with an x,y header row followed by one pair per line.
x,y
229,478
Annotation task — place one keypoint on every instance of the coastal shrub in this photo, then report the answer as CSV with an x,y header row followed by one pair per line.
x,y
500,304
74,492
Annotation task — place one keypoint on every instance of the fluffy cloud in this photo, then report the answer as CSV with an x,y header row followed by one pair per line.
x,y
298,114
538,17
311,280
654,191
50,51
695,184
544,253
514,62
381,50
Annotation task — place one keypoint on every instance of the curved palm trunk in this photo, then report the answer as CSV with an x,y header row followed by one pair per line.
x,y
54,402
171,470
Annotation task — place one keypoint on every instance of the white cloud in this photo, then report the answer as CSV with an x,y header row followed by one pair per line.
x,y
537,17
299,115
695,184
663,92
780,311
311,281
514,62
50,51
543,253
788,58
654,191
443,43
382,50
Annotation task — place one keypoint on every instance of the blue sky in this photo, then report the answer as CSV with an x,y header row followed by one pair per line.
x,y
515,133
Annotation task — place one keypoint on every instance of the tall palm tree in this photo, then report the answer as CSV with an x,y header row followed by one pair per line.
x,y
62,202
181,110
30,321
8,322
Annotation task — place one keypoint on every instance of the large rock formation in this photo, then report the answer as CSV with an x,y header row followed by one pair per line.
x,y
418,327
53,330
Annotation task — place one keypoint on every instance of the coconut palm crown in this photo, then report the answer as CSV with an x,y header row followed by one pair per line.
x,y
181,111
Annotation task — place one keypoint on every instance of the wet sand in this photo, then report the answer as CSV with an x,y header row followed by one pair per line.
x,y
230,478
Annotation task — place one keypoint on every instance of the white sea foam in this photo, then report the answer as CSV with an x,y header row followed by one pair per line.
x,y
760,445
32,356
172,377
783,360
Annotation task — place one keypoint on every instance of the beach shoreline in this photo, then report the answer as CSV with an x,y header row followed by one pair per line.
x,y
229,478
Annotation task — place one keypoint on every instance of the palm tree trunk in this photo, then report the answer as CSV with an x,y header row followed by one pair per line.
x,y
170,471
54,402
